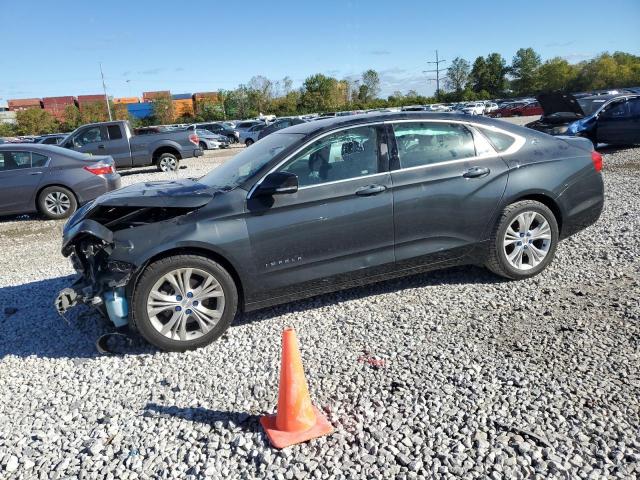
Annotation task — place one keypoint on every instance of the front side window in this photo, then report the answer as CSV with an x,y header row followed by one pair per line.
x,y
90,135
342,155
426,143
616,110
14,160
634,106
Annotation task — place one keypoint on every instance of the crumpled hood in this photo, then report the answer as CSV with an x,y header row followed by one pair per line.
x,y
171,193
559,103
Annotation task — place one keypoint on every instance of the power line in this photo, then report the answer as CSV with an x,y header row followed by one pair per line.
x,y
437,72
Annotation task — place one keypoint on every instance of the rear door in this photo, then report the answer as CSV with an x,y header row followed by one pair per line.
x,y
339,225
118,146
447,183
20,176
614,123
633,132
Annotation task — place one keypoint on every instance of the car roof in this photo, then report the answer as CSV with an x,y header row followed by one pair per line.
x,y
605,98
36,147
332,123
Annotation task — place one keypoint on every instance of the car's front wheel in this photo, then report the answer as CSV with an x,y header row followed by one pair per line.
x,y
524,240
183,302
248,142
203,146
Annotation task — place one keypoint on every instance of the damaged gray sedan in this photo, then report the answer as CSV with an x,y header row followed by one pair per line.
x,y
328,205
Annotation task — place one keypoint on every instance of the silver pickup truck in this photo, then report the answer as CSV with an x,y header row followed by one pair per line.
x,y
165,149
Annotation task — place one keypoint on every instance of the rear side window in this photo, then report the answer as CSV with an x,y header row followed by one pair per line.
x,y
426,143
114,132
634,106
38,160
500,141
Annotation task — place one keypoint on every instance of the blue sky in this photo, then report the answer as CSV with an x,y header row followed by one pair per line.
x,y
52,48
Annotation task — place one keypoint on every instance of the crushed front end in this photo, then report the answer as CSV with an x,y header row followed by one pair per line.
x,y
99,240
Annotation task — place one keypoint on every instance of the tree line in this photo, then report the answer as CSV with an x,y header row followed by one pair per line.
x,y
487,77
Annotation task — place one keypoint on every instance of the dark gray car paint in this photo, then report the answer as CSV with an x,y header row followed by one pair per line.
x,y
135,150
325,238
19,188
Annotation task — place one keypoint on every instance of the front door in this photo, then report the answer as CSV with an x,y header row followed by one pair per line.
x,y
447,184
613,122
19,181
337,226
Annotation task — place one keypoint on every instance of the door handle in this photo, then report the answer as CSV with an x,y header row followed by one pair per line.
x,y
35,173
370,190
476,172
100,147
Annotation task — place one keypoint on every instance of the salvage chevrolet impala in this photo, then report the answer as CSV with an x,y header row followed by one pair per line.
x,y
327,205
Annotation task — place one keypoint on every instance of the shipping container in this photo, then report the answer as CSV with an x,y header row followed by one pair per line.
x,y
56,111
149,96
140,110
182,107
126,100
24,103
182,96
53,101
90,98
213,96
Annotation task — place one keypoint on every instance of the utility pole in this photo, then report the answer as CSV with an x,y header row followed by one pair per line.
x,y
104,88
437,72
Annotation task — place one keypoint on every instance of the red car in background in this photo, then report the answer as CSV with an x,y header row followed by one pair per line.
x,y
518,109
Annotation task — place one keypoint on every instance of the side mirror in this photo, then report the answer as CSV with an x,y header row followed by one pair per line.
x,y
277,183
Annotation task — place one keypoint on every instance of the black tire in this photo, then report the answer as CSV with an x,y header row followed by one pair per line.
x,y
498,262
167,162
232,139
66,199
203,146
248,142
140,319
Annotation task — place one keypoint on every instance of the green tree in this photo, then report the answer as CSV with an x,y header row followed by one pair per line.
x,y
524,70
163,110
478,77
35,121
496,70
208,110
370,87
556,74
458,74
71,118
7,129
320,94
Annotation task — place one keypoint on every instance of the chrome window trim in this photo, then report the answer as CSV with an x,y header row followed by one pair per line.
x,y
515,147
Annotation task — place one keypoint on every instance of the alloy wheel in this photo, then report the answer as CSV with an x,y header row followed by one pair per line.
x,y
57,203
168,164
185,304
527,240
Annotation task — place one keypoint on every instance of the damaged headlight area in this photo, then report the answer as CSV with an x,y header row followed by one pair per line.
x,y
118,218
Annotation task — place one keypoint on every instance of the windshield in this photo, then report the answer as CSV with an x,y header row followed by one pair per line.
x,y
590,105
250,161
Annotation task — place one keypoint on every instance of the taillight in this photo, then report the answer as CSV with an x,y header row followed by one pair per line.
x,y
100,168
193,138
596,158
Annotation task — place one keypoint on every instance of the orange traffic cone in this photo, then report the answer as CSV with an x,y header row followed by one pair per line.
x,y
296,420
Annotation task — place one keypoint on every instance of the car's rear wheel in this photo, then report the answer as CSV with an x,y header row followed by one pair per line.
x,y
168,162
57,202
184,302
524,240
248,142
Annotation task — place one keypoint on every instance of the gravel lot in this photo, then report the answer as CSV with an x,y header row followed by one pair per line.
x,y
479,378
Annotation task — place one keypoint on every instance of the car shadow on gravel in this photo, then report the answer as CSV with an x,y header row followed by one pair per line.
x,y
30,326
229,420
464,275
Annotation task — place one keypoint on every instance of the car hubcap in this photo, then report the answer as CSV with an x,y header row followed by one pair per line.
x,y
527,240
57,203
185,304
168,164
